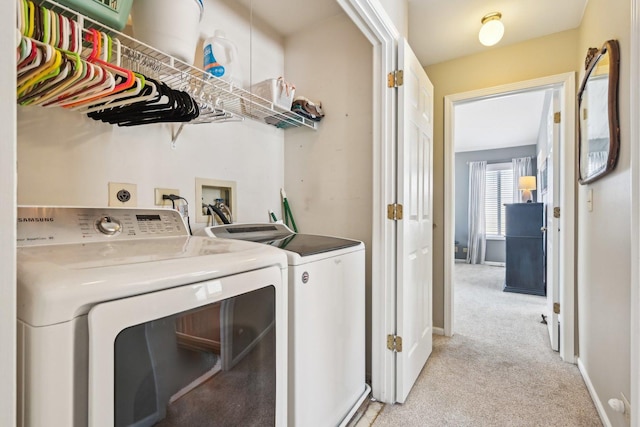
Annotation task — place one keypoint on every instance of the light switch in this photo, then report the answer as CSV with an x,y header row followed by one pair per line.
x,y
590,200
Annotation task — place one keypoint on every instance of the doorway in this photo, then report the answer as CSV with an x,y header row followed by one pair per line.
x,y
565,224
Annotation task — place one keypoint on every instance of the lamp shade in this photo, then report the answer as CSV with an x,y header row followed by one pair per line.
x,y
492,29
527,183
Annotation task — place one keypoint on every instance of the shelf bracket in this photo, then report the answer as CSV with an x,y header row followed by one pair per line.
x,y
175,134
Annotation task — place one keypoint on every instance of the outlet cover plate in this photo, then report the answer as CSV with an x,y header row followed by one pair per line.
x,y
160,191
123,194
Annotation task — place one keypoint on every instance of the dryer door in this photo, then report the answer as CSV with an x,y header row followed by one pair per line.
x,y
201,354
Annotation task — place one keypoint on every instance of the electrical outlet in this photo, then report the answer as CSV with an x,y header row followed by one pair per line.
x,y
159,192
123,194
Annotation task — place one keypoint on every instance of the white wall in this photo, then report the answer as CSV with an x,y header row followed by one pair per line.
x,y
328,174
259,47
7,216
65,158
604,234
398,11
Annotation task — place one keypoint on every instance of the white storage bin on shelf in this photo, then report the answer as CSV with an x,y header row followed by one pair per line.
x,y
169,25
277,91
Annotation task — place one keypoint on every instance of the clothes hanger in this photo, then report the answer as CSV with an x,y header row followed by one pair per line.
x,y
30,19
115,99
48,68
63,37
103,101
128,111
51,75
53,59
105,85
33,60
20,16
127,79
26,54
172,106
44,86
112,111
78,72
45,25
142,112
93,77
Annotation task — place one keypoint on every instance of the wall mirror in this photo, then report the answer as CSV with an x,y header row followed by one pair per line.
x,y
599,132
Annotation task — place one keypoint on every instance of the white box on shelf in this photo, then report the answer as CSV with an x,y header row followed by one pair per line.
x,y
278,91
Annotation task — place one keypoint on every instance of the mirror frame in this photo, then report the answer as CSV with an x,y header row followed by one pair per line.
x,y
593,56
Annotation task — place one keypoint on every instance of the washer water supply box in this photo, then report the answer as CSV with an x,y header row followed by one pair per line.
x,y
113,13
278,91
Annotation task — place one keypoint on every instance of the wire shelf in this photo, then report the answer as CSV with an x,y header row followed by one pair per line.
x,y
218,99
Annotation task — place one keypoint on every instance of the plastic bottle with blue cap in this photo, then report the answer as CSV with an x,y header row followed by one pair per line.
x,y
221,58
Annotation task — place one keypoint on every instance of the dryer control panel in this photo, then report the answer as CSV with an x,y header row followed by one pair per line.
x,y
60,225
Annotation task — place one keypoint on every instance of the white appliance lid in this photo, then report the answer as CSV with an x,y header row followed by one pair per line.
x,y
57,283
69,259
280,236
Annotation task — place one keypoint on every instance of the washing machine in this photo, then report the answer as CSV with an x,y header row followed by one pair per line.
x,y
124,319
326,320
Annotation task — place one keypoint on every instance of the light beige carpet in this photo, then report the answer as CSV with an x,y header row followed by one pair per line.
x,y
497,370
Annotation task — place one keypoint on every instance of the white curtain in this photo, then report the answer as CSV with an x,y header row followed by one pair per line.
x,y
520,166
476,224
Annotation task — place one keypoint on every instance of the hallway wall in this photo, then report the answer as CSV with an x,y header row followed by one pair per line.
x,y
604,242
603,270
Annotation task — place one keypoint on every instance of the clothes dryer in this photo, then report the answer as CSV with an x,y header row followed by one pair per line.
x,y
326,320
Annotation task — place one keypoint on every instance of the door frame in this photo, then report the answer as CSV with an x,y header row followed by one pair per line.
x,y
374,23
634,143
8,188
567,190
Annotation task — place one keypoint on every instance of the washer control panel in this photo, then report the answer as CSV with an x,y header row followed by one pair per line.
x,y
59,225
108,225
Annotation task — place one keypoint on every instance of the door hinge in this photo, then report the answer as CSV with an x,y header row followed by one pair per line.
x,y
395,78
556,307
557,117
394,343
394,211
556,212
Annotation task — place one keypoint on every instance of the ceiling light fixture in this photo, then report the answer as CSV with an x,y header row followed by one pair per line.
x,y
492,29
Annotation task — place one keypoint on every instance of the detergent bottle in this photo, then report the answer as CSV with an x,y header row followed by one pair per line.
x,y
221,58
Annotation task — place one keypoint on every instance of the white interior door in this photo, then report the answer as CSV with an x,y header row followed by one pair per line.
x,y
415,194
553,223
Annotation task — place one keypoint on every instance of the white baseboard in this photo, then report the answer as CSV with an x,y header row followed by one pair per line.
x,y
495,263
438,331
594,396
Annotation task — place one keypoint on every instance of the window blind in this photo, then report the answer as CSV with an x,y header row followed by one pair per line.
x,y
498,191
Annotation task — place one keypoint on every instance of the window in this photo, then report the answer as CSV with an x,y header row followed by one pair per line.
x,y
498,191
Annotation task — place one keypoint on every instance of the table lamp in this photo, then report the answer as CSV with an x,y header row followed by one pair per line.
x,y
526,184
